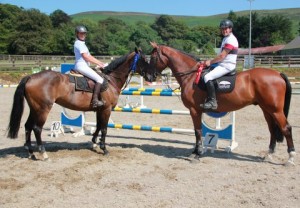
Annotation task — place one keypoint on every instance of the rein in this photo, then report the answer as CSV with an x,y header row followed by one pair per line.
x,y
130,74
180,74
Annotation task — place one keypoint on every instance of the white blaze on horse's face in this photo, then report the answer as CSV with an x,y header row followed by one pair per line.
x,y
147,59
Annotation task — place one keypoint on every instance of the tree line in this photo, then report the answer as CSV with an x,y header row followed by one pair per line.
x,y
33,32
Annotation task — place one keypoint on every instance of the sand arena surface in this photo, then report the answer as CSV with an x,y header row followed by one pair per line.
x,y
149,169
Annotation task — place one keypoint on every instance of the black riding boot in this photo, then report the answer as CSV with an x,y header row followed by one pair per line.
x,y
96,102
211,102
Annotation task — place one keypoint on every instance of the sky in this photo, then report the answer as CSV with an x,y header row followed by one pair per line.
x,y
167,7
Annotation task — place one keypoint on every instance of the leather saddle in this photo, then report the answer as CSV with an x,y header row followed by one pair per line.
x,y
83,83
223,84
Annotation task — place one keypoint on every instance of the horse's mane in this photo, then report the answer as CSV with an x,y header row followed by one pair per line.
x,y
114,64
188,54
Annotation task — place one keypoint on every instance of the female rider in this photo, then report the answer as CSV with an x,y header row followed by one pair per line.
x,y
83,58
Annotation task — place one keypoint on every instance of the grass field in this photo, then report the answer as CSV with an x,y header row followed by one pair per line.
x,y
213,20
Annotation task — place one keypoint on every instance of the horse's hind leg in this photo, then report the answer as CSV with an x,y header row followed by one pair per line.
x,y
41,117
196,117
102,121
278,126
272,128
96,134
28,129
286,130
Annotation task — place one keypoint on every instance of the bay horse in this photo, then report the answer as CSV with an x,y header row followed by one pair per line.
x,y
43,89
267,88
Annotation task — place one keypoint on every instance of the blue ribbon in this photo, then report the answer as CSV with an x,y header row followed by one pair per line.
x,y
134,63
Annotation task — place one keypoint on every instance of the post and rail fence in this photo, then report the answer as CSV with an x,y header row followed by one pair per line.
x,y
15,63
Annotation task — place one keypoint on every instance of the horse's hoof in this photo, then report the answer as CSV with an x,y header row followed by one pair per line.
x,y
47,160
289,163
195,159
32,157
106,153
44,156
95,147
192,156
267,158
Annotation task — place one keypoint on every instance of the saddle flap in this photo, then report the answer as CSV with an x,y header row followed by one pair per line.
x,y
223,84
82,83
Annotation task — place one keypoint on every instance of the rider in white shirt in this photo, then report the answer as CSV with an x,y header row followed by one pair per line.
x,y
83,58
226,63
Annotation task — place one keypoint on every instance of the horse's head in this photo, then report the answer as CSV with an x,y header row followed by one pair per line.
x,y
142,65
158,62
135,61
179,62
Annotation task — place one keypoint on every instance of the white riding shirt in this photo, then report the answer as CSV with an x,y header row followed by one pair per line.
x,y
83,66
228,64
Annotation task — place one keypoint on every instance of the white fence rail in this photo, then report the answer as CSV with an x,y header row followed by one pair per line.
x,y
27,62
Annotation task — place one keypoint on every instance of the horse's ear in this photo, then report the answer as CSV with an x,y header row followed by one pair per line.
x,y
138,49
153,44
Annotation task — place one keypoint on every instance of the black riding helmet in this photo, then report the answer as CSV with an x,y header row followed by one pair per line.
x,y
226,23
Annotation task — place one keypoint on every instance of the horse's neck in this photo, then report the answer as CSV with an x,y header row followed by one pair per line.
x,y
119,77
181,66
183,74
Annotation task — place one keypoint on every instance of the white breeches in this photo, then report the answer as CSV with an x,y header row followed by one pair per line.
x,y
219,71
84,69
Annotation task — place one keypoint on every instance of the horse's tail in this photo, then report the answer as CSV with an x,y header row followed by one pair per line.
x,y
17,109
288,95
287,102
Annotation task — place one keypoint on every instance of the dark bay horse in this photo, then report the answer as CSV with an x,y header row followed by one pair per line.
x,y
43,89
267,88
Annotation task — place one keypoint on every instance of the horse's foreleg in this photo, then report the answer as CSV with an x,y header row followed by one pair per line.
x,y
272,128
102,121
102,140
198,135
198,145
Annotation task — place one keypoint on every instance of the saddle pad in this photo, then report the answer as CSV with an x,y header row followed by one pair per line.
x,y
81,83
223,84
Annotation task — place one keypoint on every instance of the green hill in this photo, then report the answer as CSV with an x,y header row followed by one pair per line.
x,y
132,17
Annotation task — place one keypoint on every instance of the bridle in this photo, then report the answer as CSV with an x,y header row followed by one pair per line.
x,y
132,71
159,58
